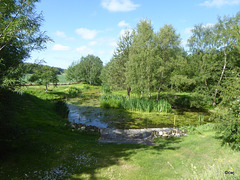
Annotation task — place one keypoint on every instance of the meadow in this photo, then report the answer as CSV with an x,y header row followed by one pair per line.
x,y
37,145
61,78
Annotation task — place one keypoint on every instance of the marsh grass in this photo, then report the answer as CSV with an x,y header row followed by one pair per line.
x,y
135,104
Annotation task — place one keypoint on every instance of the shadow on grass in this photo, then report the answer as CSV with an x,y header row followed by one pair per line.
x,y
109,154
34,140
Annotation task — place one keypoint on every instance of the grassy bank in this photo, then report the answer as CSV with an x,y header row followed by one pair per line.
x,y
35,144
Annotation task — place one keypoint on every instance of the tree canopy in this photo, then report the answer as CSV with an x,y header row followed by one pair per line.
x,y
44,75
19,35
88,69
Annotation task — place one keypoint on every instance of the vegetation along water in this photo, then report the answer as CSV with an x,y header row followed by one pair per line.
x,y
150,81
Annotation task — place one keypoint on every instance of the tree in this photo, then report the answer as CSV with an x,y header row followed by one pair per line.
x,y
141,61
225,41
72,72
88,69
116,78
229,122
168,46
45,75
19,34
214,53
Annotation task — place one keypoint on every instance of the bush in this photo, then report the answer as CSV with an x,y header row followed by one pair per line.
x,y
229,123
73,91
86,87
106,89
200,101
195,100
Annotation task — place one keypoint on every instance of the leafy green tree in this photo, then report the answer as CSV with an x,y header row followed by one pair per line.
x,y
229,123
19,34
106,76
91,67
168,46
117,66
141,60
225,40
72,73
45,75
214,53
88,69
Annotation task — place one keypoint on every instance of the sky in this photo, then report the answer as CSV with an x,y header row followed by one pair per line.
x,y
82,27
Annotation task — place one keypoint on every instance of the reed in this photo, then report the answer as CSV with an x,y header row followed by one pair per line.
x,y
134,104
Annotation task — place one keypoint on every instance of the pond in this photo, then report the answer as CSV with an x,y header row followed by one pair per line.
x,y
121,119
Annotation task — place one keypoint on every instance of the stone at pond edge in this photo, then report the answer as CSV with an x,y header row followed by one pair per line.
x,y
133,136
137,136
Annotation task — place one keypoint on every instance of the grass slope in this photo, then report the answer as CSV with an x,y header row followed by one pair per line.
x,y
35,144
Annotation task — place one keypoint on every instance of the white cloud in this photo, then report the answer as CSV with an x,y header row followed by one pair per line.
x,y
84,50
209,25
60,34
113,44
124,31
188,31
119,5
86,33
101,52
92,43
59,47
123,24
219,3
184,43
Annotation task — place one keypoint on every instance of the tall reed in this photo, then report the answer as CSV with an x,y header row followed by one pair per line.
x,y
134,104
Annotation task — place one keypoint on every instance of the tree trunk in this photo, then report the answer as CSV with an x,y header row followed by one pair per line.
x,y
141,94
128,92
220,79
206,84
149,93
158,93
46,88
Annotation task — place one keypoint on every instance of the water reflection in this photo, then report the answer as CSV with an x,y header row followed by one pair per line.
x,y
76,116
121,119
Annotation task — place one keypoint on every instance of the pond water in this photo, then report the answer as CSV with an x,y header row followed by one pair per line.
x,y
76,115
121,119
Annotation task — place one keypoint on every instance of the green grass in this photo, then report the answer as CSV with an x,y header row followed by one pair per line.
x,y
35,144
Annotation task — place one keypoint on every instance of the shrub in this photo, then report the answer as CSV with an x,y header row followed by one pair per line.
x,y
85,87
195,100
229,123
73,91
106,89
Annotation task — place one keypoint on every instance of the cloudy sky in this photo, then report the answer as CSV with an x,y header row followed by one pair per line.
x,y
82,27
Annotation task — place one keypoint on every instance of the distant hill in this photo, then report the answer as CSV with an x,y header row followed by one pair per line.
x,y
30,68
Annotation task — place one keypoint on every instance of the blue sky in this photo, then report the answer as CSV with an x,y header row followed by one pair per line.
x,y
82,27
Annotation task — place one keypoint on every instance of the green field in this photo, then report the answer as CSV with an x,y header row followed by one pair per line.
x,y
35,144
61,78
